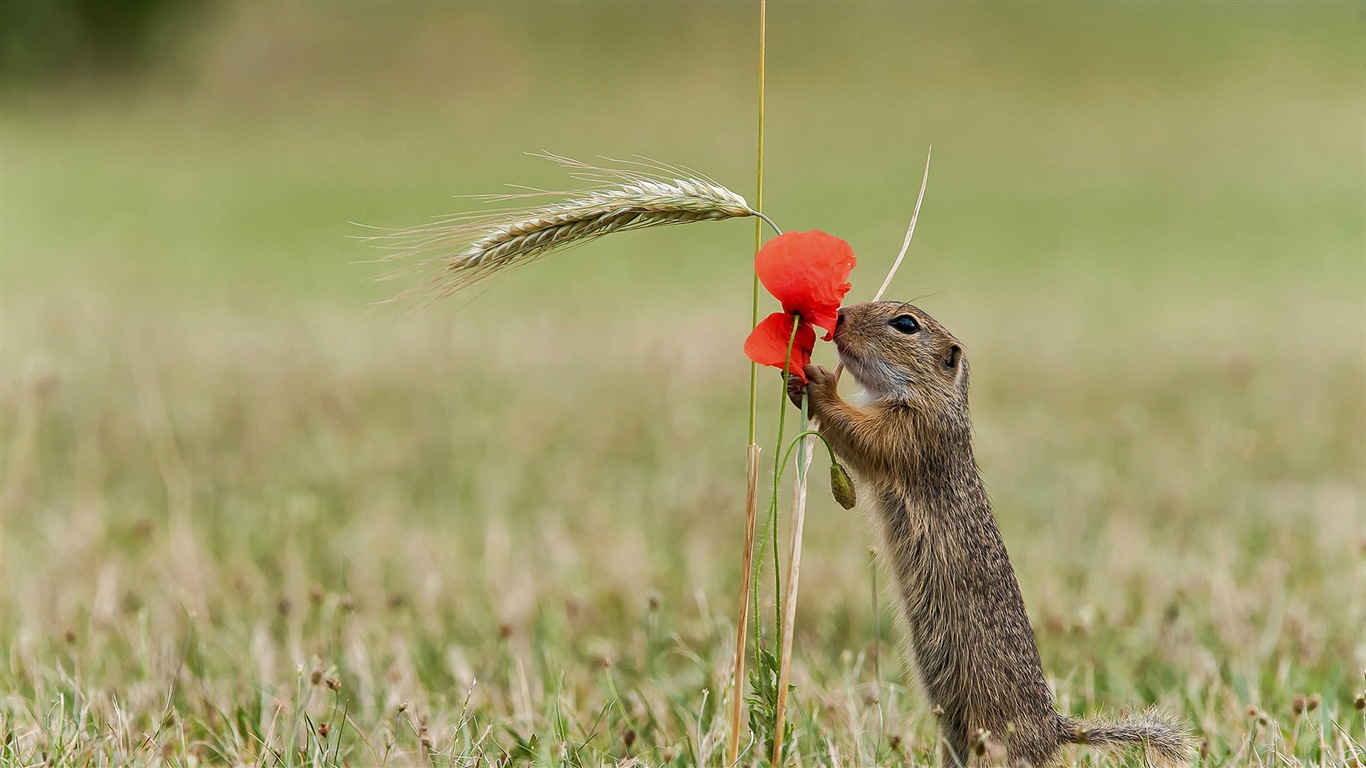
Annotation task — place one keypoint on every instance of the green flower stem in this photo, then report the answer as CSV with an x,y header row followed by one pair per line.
x,y
785,630
753,367
772,522
807,433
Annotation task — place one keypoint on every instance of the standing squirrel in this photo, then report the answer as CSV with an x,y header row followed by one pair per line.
x,y
911,445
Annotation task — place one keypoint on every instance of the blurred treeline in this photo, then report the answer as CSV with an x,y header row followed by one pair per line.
x,y
42,41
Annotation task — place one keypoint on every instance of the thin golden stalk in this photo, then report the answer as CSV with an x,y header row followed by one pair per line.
x,y
737,712
742,625
910,231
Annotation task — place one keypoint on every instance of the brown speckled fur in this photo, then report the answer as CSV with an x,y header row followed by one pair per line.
x,y
911,447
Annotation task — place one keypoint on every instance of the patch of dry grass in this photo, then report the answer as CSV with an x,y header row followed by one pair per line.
x,y
323,540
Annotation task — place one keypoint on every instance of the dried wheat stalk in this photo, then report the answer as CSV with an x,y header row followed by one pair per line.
x,y
794,572
910,231
475,246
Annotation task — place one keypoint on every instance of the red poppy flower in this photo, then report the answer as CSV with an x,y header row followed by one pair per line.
x,y
808,273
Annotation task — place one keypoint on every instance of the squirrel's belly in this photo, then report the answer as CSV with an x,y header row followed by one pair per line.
x,y
968,628
926,599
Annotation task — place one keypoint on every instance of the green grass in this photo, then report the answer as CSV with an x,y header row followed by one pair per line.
x,y
510,527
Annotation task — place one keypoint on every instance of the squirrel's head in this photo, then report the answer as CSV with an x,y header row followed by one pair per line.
x,y
896,351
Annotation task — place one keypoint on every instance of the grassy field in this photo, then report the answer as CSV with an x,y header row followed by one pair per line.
x,y
250,519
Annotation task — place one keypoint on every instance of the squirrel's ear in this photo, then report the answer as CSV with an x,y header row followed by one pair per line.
x,y
952,356
954,362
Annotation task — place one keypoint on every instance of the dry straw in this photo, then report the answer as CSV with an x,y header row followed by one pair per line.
x,y
634,195
910,231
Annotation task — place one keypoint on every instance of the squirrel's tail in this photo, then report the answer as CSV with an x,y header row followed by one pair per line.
x,y
1164,739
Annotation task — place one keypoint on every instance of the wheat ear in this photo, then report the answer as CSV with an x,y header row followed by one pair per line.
x,y
475,246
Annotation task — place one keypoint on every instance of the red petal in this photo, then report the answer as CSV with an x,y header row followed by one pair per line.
x,y
767,343
808,272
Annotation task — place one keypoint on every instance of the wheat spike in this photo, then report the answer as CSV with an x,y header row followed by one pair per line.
x,y
475,246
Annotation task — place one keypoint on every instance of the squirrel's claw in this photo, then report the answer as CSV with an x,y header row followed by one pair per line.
x,y
796,388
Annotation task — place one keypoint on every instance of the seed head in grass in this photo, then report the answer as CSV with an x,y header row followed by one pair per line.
x,y
980,742
472,247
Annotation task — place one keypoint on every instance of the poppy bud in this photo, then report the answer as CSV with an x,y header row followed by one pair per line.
x,y
841,487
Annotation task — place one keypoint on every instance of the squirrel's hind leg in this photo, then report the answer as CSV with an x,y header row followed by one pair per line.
x,y
953,740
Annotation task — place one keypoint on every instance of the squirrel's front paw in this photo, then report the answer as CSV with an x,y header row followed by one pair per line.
x,y
819,378
819,383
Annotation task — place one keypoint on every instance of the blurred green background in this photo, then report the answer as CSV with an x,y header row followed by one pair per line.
x,y
1130,153
1146,221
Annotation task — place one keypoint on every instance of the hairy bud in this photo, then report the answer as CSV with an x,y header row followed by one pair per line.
x,y
841,487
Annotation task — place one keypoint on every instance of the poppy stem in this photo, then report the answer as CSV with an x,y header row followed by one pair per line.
x,y
792,445
772,514
778,461
771,534
794,569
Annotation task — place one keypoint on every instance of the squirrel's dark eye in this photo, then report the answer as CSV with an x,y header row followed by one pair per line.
x,y
904,323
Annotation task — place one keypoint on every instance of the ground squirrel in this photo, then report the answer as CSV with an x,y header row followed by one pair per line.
x,y
911,445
